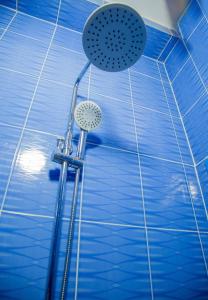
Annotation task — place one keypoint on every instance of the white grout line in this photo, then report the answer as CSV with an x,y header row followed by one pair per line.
x,y
192,202
190,194
181,68
201,161
10,212
189,146
202,10
142,191
80,220
164,48
6,29
151,58
193,105
91,143
185,11
134,71
138,226
190,35
167,160
26,120
171,51
202,81
79,237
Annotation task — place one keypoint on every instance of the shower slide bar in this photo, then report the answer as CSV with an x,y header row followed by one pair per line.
x,y
63,156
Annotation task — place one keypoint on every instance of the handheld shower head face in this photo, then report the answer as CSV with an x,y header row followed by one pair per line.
x,y
87,115
114,37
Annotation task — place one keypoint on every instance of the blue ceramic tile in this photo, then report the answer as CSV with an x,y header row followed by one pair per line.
x,y
74,14
191,88
116,196
15,102
52,102
176,59
32,27
199,204
9,140
156,41
114,85
196,126
171,43
31,189
204,6
182,141
178,269
6,16
191,19
198,48
117,127
156,134
9,3
46,9
25,248
147,66
171,99
64,66
22,54
148,92
69,39
115,260
167,200
203,177
162,72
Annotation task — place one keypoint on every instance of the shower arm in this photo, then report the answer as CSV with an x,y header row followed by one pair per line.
x,y
69,132
63,156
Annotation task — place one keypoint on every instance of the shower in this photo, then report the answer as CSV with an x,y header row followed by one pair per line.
x,y
113,39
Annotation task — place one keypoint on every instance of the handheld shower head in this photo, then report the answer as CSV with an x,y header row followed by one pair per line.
x,y
87,115
114,37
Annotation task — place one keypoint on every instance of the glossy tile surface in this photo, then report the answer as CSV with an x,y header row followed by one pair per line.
x,y
32,27
178,269
47,10
22,54
15,102
191,89
148,92
116,261
156,134
191,19
6,16
116,196
116,253
167,199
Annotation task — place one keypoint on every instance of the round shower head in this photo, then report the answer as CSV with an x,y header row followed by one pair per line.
x,y
114,37
87,115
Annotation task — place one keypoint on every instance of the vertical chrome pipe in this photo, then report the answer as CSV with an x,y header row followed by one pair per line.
x,y
80,155
62,190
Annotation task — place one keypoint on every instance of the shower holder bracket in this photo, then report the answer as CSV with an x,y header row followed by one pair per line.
x,y
73,162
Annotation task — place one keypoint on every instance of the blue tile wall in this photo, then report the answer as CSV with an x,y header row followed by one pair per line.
x,y
191,82
6,16
141,225
191,19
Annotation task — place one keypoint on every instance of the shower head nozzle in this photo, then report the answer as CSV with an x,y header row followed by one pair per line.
x,y
114,37
88,115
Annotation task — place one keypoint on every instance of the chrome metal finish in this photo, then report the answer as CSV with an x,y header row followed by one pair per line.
x,y
80,155
66,149
73,162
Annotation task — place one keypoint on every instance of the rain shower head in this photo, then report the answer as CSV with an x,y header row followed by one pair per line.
x,y
114,37
87,115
